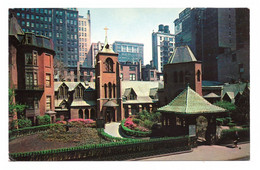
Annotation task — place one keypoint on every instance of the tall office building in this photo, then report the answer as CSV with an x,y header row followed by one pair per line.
x,y
84,40
59,24
162,46
129,51
207,31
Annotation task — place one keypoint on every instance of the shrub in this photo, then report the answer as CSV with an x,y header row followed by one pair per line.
x,y
148,124
22,123
43,120
229,134
85,122
136,121
226,105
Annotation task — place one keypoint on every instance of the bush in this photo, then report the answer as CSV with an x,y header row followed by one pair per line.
x,y
136,121
148,124
226,105
127,124
22,123
44,120
229,134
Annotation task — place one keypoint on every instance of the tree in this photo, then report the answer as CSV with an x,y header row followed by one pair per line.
x,y
14,108
59,69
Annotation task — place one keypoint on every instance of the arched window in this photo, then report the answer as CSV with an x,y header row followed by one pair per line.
x,y
105,90
109,65
114,90
80,114
181,77
93,114
109,90
198,75
175,77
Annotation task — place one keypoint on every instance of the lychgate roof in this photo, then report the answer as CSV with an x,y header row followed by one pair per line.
x,y
182,54
190,102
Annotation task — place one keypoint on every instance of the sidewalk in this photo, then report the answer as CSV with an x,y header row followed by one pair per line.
x,y
207,153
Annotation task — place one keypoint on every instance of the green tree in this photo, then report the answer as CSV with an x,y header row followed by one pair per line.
x,y
14,107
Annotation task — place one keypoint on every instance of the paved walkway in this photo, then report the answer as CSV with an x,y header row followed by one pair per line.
x,y
207,153
113,129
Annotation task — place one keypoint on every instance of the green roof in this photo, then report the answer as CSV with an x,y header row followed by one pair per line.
x,y
190,102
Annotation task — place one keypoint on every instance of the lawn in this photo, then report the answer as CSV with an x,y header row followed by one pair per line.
x,y
56,137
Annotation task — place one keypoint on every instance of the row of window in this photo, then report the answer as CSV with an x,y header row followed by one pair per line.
x,y
82,39
31,79
166,39
110,89
181,76
132,77
82,34
33,17
35,25
82,23
82,29
125,48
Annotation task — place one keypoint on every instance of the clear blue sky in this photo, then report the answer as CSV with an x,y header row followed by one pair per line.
x,y
130,24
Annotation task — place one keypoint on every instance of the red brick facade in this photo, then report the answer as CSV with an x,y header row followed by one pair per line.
x,y
108,87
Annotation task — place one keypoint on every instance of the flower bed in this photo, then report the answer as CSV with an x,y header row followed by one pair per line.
x,y
131,129
86,122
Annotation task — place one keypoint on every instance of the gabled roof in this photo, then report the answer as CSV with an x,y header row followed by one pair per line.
x,y
190,102
110,104
182,54
83,103
233,89
14,27
211,95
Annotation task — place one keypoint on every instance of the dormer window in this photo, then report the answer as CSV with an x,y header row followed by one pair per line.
x,y
79,92
109,65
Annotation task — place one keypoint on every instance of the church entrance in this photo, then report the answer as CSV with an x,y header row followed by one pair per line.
x,y
110,114
202,124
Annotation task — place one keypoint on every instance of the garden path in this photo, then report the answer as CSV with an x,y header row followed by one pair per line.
x,y
113,129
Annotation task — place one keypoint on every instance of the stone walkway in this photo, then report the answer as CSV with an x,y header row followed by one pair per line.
x,y
207,153
113,129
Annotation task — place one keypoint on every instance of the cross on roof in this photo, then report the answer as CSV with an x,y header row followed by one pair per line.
x,y
106,30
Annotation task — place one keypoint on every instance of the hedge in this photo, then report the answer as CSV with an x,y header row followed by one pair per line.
x,y
28,130
135,133
104,151
228,135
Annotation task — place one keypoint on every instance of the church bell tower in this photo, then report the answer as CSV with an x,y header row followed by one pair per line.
x,y
108,85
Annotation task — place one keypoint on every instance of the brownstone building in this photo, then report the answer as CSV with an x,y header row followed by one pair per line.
x,y
31,71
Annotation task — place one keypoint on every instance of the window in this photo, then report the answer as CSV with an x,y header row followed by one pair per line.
x,y
114,90
18,14
109,65
28,59
27,16
152,74
121,76
132,77
79,92
105,90
198,75
48,103
48,80
29,80
109,90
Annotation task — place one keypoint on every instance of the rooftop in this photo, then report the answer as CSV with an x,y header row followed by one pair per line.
x,y
190,102
182,54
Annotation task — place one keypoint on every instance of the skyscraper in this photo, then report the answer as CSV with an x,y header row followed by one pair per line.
x,y
59,24
85,40
162,46
207,31
129,51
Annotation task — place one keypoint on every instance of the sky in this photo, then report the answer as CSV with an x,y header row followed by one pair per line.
x,y
130,24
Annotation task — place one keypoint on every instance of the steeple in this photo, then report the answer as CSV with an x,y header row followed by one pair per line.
x,y
106,45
